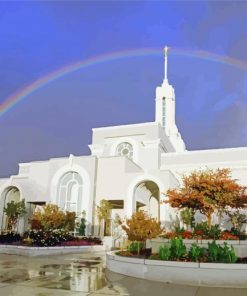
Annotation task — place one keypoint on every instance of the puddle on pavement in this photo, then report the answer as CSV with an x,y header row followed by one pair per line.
x,y
81,275
8,264
14,276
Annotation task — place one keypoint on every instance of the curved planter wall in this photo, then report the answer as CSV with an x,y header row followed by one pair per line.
x,y
190,273
46,251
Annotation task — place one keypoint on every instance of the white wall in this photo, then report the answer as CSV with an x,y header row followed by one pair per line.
x,y
148,141
186,162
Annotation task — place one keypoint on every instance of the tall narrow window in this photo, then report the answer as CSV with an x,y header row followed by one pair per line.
x,y
164,112
70,189
125,149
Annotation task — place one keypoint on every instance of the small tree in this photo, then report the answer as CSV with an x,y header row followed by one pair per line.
x,y
141,227
14,211
237,219
208,191
104,213
187,217
82,224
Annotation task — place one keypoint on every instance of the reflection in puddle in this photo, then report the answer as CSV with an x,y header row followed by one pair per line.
x,y
85,275
73,274
7,264
14,276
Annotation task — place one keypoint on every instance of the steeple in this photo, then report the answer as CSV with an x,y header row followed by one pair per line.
x,y
165,63
165,101
165,109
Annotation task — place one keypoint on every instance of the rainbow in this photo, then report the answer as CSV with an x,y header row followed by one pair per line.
x,y
11,101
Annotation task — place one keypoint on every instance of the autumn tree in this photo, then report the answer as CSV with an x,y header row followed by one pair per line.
x,y
103,212
141,227
51,216
208,191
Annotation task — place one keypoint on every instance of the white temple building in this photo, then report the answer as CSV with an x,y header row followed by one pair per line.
x,y
132,166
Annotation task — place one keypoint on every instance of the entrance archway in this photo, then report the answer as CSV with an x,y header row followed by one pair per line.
x,y
147,198
11,193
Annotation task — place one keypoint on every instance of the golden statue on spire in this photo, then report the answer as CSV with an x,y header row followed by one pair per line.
x,y
166,50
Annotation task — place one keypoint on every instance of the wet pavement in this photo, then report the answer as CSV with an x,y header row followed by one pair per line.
x,y
84,274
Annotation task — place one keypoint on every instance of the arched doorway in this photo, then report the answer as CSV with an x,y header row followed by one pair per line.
x,y
69,192
147,198
9,194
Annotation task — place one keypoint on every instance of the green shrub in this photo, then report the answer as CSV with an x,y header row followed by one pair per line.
x,y
82,224
178,249
196,252
135,246
227,254
165,252
213,252
217,253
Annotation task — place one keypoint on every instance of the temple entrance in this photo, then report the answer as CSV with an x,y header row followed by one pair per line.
x,y
147,198
10,194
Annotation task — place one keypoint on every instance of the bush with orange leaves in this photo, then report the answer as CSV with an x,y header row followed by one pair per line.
x,y
51,217
141,227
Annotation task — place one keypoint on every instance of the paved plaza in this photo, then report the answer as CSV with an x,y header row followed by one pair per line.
x,y
84,274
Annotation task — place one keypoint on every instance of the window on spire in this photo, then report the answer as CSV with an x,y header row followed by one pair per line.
x,y
164,112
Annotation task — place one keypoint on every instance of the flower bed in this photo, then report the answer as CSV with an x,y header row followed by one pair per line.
x,y
85,241
201,231
176,250
10,238
51,238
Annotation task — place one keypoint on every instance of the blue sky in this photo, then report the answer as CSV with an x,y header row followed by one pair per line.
x,y
56,120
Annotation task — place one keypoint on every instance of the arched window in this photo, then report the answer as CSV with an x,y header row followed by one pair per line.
x,y
70,189
125,149
10,194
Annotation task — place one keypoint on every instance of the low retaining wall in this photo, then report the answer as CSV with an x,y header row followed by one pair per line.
x,y
240,246
46,251
189,273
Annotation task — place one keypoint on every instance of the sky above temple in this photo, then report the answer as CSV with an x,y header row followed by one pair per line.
x,y
37,38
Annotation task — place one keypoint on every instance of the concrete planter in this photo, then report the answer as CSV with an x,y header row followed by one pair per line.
x,y
239,246
192,241
189,273
229,242
171,263
46,251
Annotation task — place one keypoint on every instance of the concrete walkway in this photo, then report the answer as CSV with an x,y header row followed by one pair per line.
x,y
84,274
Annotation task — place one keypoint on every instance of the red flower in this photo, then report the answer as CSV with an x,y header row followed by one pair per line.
x,y
186,234
228,236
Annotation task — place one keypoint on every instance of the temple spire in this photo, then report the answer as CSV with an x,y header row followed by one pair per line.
x,y
165,64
